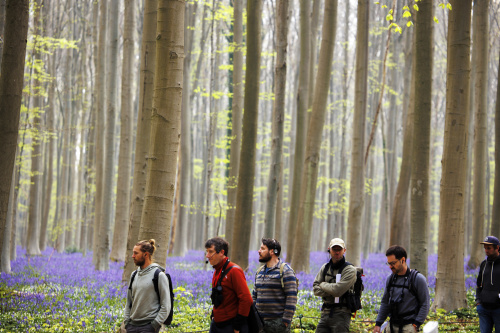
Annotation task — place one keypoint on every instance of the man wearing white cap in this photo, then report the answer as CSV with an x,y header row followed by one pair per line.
x,y
488,287
332,283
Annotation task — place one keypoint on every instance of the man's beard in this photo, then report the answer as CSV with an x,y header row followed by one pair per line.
x,y
265,259
139,262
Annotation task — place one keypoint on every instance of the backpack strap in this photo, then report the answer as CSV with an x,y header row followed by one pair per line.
x,y
326,269
412,287
155,283
224,273
282,266
134,273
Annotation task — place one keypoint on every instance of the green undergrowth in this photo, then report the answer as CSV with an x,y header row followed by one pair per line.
x,y
189,318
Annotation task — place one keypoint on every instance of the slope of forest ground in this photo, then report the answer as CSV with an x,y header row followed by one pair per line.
x,y
64,293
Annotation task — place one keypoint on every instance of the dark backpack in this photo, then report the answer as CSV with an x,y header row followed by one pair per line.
x,y
352,297
170,316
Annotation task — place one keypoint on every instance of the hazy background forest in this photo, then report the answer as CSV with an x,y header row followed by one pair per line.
x,y
368,140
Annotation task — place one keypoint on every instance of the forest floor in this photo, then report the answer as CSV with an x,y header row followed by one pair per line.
x,y
64,293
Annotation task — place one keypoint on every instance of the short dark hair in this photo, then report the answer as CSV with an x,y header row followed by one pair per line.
x,y
398,251
219,245
272,244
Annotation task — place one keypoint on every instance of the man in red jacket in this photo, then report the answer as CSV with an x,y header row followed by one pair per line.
x,y
230,294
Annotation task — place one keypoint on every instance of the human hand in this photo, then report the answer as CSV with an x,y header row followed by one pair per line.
x,y
376,329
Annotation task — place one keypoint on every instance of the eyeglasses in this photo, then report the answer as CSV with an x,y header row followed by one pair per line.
x,y
392,263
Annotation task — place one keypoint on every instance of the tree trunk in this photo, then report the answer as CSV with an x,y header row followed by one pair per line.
x,y
480,37
2,22
146,82
105,226
397,234
301,123
236,117
181,243
274,182
100,122
314,138
11,86
357,184
165,126
246,172
5,250
495,218
420,190
119,248
450,278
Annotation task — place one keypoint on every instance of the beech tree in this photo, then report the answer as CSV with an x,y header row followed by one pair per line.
x,y
236,118
300,122
480,90
146,91
246,173
303,232
11,86
357,193
125,154
450,277
165,126
421,136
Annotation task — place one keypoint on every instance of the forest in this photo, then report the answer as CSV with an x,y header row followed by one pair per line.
x,y
298,120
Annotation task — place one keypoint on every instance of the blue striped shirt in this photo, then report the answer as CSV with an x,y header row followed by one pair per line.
x,y
271,299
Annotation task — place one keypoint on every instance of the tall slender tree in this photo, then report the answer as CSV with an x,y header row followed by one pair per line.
x,y
146,91
100,122
420,190
246,173
106,224
181,242
300,122
165,126
480,37
11,86
314,138
450,278
495,218
357,187
125,154
274,184
236,118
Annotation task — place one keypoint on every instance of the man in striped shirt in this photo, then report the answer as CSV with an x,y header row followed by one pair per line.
x,y
275,292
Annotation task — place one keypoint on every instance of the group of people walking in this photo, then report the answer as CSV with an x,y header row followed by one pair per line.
x,y
405,300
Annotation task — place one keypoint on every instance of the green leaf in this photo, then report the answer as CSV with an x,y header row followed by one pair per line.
x,y
389,17
406,8
377,3
415,6
406,14
409,24
436,19
441,5
448,5
384,6
398,29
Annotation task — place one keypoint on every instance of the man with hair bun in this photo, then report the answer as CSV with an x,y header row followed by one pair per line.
x,y
145,311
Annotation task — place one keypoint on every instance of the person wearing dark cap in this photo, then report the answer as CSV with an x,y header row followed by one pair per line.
x,y
332,283
488,287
